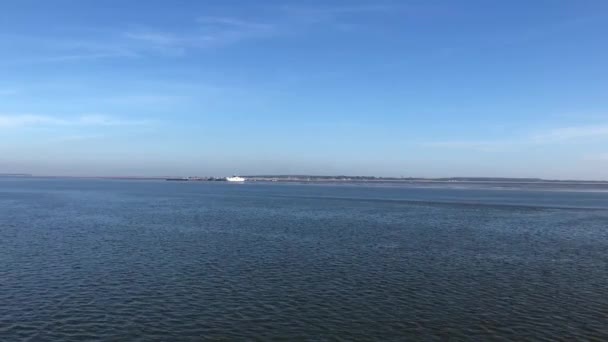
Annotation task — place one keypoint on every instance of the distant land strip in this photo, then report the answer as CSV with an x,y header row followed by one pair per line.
x,y
316,178
329,178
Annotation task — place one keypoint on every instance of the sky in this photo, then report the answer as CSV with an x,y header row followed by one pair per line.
x,y
387,88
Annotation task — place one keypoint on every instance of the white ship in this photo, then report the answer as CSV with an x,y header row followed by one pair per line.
x,y
235,179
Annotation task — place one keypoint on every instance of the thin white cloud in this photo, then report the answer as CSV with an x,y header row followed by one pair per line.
x,y
74,138
29,120
599,115
340,17
154,37
234,23
147,99
201,33
167,43
10,121
82,56
102,120
47,49
204,32
475,145
552,136
343,9
571,133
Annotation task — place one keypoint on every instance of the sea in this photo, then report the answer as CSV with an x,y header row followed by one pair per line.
x,y
150,260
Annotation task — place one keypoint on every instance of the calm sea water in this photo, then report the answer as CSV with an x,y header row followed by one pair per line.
x,y
153,260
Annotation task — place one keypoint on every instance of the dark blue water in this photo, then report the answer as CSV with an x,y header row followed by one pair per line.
x,y
169,261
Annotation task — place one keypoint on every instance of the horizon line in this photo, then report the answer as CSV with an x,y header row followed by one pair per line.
x,y
330,176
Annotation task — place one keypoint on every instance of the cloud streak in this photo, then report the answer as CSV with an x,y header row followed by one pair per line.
x,y
232,22
344,9
203,32
29,120
553,136
74,138
206,32
572,133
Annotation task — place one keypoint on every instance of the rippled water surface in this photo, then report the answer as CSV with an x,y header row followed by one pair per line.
x,y
152,260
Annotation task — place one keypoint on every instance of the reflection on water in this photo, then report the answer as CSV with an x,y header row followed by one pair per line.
x,y
138,260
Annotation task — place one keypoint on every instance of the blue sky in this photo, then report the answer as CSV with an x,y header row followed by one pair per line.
x,y
388,88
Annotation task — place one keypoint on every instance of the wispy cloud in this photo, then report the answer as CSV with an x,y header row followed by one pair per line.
x,y
147,100
287,19
339,16
64,48
552,136
572,133
102,120
589,116
75,138
205,32
29,120
82,56
202,32
485,146
145,41
344,9
10,121
154,37
232,22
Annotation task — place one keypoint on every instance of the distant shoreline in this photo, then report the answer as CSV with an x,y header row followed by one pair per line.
x,y
333,179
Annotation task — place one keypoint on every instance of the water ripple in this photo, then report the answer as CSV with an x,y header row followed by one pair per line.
x,y
147,262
